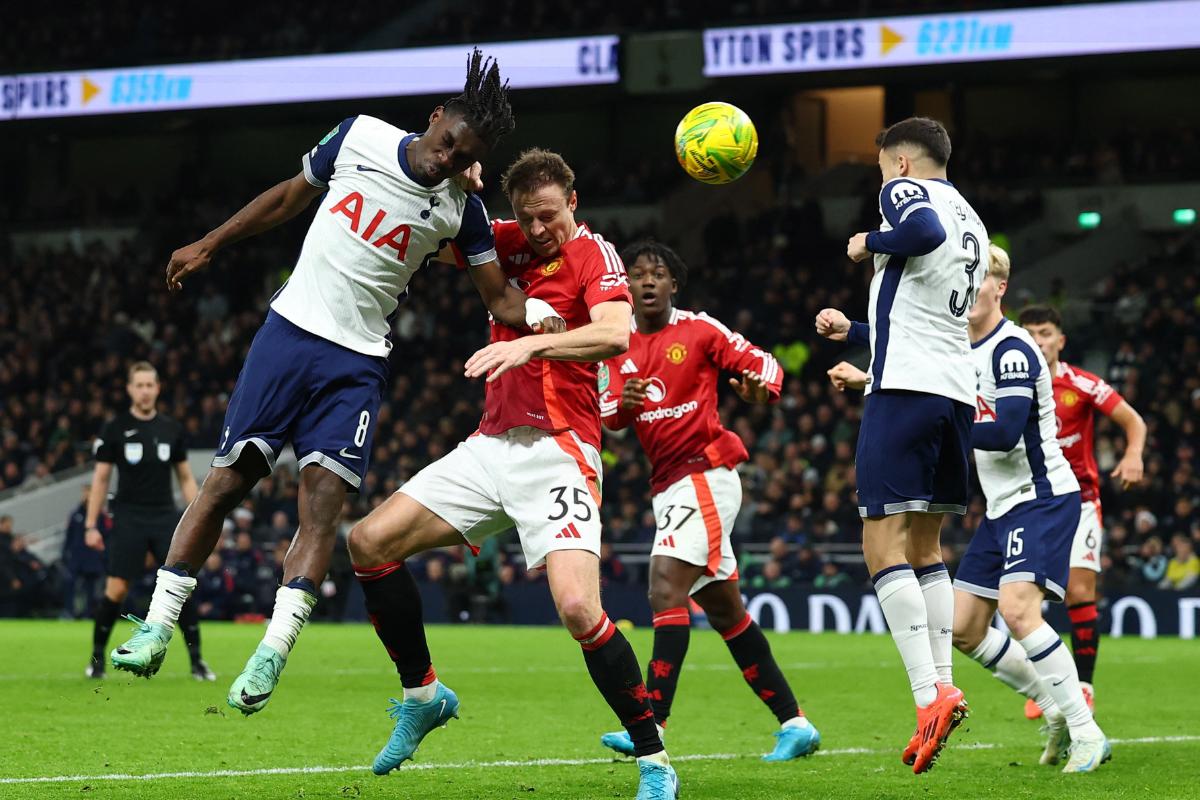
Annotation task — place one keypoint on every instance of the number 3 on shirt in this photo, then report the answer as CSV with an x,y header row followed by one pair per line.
x,y
960,307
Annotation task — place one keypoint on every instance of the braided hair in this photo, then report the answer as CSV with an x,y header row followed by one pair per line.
x,y
659,252
484,100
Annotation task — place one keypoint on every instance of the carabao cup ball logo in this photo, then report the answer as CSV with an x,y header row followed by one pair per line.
x,y
716,143
656,391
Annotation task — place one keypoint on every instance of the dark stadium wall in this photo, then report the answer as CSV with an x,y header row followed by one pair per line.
x,y
1148,614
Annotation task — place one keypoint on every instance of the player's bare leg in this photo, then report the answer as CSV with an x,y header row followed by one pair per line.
x,y
997,653
379,544
1021,606
195,537
574,578
940,707
304,568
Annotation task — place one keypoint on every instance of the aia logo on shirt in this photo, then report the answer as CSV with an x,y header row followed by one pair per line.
x,y
353,206
676,353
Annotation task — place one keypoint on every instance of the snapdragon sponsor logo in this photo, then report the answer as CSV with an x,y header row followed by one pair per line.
x,y
668,412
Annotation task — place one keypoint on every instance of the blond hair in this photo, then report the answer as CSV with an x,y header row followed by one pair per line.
x,y
999,267
141,366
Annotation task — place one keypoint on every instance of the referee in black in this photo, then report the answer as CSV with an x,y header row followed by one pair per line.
x,y
146,447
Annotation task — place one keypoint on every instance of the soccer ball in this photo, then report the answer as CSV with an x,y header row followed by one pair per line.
x,y
716,143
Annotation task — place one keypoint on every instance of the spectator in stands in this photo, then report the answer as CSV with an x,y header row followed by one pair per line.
x,y
783,554
33,584
10,582
831,577
82,567
1183,570
280,527
243,562
770,578
1150,564
214,589
808,565
612,569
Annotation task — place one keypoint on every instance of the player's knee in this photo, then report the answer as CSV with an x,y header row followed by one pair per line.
x,y
223,489
365,543
116,589
664,596
1078,593
578,612
966,639
1022,618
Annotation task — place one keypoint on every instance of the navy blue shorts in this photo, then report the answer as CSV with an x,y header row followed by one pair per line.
x,y
298,387
1031,543
912,454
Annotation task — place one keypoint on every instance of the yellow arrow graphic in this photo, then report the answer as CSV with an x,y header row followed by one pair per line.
x,y
888,39
90,90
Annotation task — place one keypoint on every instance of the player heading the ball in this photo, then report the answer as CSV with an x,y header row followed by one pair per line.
x,y
317,369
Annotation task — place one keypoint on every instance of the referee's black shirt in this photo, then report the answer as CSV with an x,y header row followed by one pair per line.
x,y
145,452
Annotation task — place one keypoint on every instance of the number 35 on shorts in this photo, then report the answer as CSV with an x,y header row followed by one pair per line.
x,y
572,501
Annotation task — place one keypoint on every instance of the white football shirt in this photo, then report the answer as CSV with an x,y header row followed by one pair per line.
x,y
1009,364
919,304
374,228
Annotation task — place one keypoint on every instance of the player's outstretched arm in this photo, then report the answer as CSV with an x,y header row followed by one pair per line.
x,y
510,305
607,335
273,207
1129,469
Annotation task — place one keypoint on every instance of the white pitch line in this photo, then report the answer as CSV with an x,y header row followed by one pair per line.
x,y
536,762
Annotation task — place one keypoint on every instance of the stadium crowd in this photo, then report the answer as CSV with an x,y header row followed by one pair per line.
x,y
71,320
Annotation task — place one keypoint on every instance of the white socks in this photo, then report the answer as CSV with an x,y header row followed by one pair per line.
x,y
796,722
939,610
904,609
1060,679
421,694
1014,669
171,591
292,608
657,758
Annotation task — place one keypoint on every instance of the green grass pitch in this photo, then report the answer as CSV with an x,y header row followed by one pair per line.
x,y
527,699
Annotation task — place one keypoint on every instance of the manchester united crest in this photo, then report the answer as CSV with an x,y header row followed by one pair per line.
x,y
676,353
1068,398
553,267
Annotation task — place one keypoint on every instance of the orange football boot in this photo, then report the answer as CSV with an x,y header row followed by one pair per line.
x,y
1032,710
935,722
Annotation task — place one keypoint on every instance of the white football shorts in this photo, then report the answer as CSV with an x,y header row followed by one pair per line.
x,y
1089,536
546,485
695,518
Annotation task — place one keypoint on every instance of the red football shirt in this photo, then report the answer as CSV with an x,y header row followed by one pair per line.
x,y
554,395
1076,393
679,426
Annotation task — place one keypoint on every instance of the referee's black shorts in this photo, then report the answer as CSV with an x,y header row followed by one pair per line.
x,y
138,530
